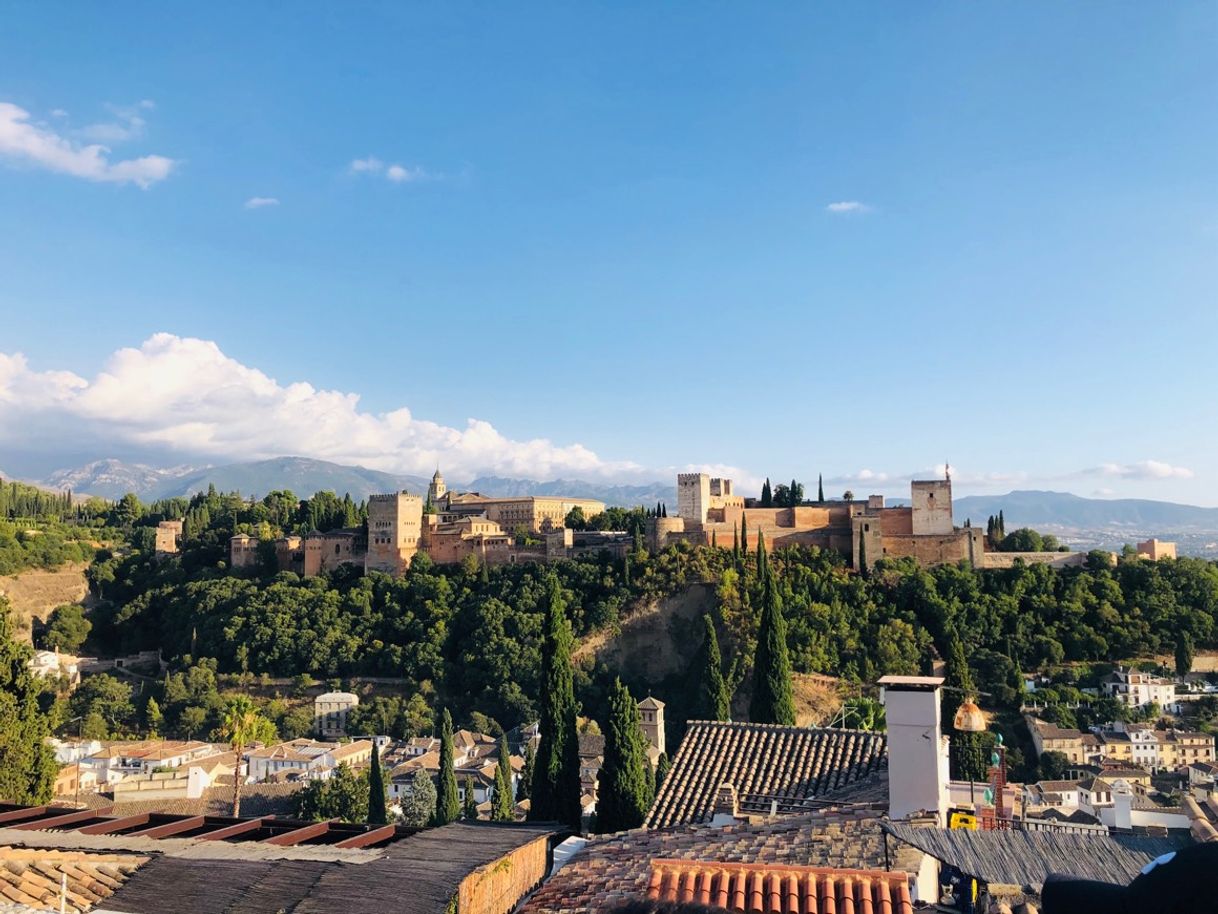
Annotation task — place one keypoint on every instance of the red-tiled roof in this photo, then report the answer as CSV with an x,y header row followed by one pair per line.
x,y
777,889
766,764
35,877
612,869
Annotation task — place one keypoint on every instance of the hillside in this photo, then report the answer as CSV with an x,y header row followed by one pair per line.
x,y
33,594
1032,508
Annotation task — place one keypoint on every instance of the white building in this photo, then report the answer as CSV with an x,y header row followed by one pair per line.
x,y
330,713
305,758
1137,689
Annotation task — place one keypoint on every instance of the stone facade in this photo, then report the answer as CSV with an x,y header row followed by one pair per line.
x,y
1156,549
242,551
168,537
395,531
330,713
534,513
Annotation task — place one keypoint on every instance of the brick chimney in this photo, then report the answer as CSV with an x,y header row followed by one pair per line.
x,y
726,810
917,752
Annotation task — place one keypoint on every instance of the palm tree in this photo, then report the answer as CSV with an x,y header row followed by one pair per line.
x,y
242,725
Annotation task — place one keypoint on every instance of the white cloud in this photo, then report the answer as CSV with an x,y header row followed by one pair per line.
x,y
372,165
1143,469
187,397
848,206
260,202
58,112
26,143
398,174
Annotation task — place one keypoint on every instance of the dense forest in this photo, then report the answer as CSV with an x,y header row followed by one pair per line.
x,y
468,637
41,529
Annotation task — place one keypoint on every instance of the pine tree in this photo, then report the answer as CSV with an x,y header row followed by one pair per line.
x,y
820,488
448,806
27,763
377,813
624,788
501,804
469,806
715,698
555,792
525,785
772,701
767,495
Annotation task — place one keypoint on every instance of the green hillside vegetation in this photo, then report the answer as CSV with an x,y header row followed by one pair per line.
x,y
41,529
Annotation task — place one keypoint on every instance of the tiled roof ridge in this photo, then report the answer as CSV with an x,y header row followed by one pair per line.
x,y
789,727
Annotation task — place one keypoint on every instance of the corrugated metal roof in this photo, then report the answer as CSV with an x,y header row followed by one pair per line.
x,y
1025,858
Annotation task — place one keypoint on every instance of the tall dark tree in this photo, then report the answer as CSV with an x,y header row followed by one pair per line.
x,y
820,488
626,571
469,804
763,561
625,789
744,534
735,545
448,803
967,756
502,803
524,786
797,494
1186,652
27,763
662,766
377,813
772,701
767,494
555,793
862,554
715,699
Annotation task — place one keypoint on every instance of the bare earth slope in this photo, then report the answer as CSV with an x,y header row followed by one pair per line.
x,y
33,594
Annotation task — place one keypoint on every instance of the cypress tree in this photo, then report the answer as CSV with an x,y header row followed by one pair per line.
x,y
1002,524
714,540
662,766
735,545
795,499
715,698
448,805
626,571
772,701
767,495
484,572
763,562
377,813
744,534
967,761
27,763
502,805
625,788
820,488
555,792
469,806
525,784
664,509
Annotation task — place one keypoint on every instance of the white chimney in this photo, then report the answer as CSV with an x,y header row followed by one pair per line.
x,y
918,769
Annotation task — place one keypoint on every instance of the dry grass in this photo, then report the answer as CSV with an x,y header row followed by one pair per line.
x,y
33,594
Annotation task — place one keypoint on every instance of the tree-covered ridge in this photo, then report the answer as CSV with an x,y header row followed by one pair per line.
x,y
41,529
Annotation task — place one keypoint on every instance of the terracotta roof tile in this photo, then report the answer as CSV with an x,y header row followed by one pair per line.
x,y
778,889
766,764
34,877
612,869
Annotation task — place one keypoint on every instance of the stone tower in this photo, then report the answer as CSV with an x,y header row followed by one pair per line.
x,y
693,496
437,490
395,527
932,506
651,718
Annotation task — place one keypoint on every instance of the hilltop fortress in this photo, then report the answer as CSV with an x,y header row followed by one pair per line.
x,y
708,511
450,527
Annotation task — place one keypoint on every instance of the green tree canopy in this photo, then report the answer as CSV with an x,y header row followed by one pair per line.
x,y
625,787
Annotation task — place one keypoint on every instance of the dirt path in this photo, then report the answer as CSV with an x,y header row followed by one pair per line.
x,y
33,594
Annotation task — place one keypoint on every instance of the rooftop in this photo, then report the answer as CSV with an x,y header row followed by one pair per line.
x,y
35,877
766,764
612,869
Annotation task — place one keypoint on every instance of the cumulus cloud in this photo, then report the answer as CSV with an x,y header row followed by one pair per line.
x,y
26,143
848,206
398,174
1142,470
185,396
260,202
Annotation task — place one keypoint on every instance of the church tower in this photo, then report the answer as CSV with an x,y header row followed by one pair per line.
x,y
437,490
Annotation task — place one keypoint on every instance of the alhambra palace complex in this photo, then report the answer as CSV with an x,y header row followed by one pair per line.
x,y
452,526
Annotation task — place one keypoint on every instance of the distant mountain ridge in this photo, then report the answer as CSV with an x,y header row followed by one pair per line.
x,y
113,479
1041,509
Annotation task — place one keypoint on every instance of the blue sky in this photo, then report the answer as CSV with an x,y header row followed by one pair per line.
x,y
608,233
